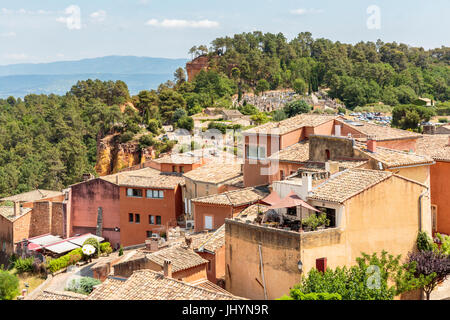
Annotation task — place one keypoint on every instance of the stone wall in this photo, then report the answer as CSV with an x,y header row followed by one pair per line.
x,y
338,148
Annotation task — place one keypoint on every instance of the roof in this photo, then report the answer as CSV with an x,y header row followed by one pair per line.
x,y
182,258
379,132
58,295
32,196
347,184
215,173
231,112
291,124
298,152
145,178
236,198
252,212
179,158
45,239
8,212
435,146
206,284
395,158
214,242
150,285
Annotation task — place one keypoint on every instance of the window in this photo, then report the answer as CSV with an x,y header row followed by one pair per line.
x,y
149,234
155,194
130,217
328,154
174,168
151,219
181,169
255,152
282,177
292,211
137,193
208,222
138,218
158,220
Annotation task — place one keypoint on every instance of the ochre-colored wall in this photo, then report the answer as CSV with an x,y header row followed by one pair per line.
x,y
420,174
169,209
280,255
218,213
85,199
440,194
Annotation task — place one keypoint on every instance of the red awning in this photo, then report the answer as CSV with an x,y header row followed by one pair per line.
x,y
292,200
33,246
272,198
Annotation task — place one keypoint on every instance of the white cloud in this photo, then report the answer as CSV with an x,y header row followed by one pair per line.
x,y
73,19
175,23
99,15
303,11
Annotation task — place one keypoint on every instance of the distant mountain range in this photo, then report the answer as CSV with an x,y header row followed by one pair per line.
x,y
139,73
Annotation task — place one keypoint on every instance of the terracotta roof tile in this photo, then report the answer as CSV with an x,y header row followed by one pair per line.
x,y
236,198
215,173
8,213
32,196
181,257
58,295
435,146
146,178
150,285
347,184
298,152
291,124
394,158
214,241
379,132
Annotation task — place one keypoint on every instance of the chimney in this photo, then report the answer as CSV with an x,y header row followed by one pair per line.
x,y
167,269
16,208
306,185
152,244
332,167
372,145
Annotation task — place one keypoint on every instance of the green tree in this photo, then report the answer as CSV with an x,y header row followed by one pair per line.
x,y
296,107
9,286
300,86
262,86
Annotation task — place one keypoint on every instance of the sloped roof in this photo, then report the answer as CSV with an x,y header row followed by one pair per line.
x,y
215,173
298,152
33,195
236,198
182,258
150,285
381,133
434,146
214,242
395,158
291,124
347,184
58,295
8,212
146,178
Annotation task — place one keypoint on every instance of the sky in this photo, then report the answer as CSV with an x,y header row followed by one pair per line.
x,y
53,30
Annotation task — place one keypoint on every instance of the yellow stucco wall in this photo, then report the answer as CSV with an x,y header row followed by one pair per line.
x,y
384,217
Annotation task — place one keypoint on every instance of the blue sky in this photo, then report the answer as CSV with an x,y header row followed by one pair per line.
x,y
53,30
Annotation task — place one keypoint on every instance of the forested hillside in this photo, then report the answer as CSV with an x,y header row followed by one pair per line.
x,y
49,141
358,74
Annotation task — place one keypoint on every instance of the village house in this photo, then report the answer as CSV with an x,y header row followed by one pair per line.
x,y
213,250
128,207
438,147
368,211
211,211
31,214
212,178
231,114
263,144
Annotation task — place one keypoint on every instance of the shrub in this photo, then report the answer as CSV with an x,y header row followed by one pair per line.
x,y
126,137
63,262
146,141
93,242
9,286
83,285
105,248
424,242
443,120
24,265
121,251
296,294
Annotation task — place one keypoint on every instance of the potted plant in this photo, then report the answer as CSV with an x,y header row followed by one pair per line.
x,y
313,222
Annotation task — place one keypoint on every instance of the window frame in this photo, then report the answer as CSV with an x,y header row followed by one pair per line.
x,y
132,191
